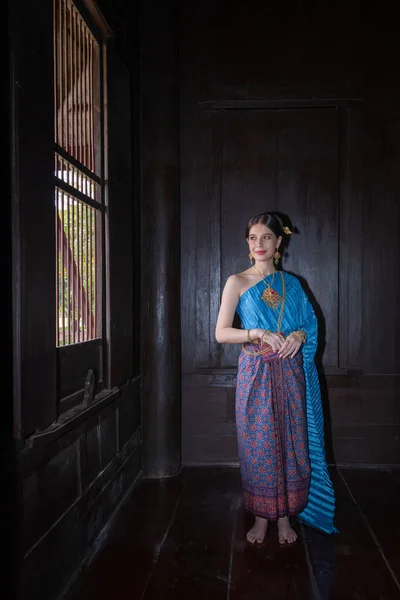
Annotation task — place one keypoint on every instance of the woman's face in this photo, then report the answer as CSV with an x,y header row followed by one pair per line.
x,y
262,242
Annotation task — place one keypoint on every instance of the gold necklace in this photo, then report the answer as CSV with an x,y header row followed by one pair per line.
x,y
270,296
279,325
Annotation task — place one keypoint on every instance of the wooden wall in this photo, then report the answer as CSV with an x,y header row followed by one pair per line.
x,y
294,107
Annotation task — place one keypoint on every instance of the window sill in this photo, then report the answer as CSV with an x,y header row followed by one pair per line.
x,y
73,418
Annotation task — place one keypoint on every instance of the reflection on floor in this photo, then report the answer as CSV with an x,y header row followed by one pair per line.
x,y
184,538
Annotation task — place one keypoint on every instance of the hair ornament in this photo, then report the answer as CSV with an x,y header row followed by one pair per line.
x,y
287,230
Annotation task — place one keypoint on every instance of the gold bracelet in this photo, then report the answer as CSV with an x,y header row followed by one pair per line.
x,y
266,332
262,341
301,335
257,353
248,335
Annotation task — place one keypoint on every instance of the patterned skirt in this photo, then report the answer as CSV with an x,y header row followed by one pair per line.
x,y
272,433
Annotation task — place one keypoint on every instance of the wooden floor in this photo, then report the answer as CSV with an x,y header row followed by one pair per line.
x,y
184,538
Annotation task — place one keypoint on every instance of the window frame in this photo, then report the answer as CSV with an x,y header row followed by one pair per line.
x,y
76,363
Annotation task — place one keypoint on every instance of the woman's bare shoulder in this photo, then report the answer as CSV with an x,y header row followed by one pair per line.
x,y
233,281
241,281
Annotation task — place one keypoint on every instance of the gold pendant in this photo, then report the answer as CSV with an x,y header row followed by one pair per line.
x,y
271,297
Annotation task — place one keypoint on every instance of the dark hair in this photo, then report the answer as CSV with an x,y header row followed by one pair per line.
x,y
270,219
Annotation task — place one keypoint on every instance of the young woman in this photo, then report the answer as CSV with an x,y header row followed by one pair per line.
x,y
278,399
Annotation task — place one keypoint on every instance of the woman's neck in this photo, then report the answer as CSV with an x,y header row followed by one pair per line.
x,y
264,269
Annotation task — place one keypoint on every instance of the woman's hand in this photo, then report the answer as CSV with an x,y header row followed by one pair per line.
x,y
275,340
291,346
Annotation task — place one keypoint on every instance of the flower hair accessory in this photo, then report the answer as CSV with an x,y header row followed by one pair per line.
x,y
287,230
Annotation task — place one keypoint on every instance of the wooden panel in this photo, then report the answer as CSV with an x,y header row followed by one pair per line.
x,y
73,363
351,227
381,242
257,49
129,417
78,528
309,193
266,170
48,493
120,218
203,267
288,161
33,216
361,424
200,239
191,193
350,232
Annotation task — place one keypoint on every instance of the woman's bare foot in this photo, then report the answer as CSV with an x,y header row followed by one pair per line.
x,y
256,534
286,533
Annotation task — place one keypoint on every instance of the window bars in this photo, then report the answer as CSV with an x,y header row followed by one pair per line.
x,y
78,186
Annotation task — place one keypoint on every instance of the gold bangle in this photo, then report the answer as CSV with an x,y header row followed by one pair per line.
x,y
300,335
248,335
266,332
266,351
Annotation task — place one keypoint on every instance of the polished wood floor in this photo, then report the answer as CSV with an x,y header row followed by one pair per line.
x,y
184,538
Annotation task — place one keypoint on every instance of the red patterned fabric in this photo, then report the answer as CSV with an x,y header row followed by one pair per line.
x,y
272,433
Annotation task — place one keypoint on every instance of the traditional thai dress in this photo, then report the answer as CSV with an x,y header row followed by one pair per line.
x,y
279,415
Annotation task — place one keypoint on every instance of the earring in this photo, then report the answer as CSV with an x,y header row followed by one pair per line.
x,y
276,257
251,258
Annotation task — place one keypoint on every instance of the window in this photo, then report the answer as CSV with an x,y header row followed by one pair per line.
x,y
79,193
73,216
78,182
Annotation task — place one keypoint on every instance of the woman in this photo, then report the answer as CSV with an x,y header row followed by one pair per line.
x,y
278,399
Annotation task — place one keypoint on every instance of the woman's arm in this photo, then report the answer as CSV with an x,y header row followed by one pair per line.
x,y
224,332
